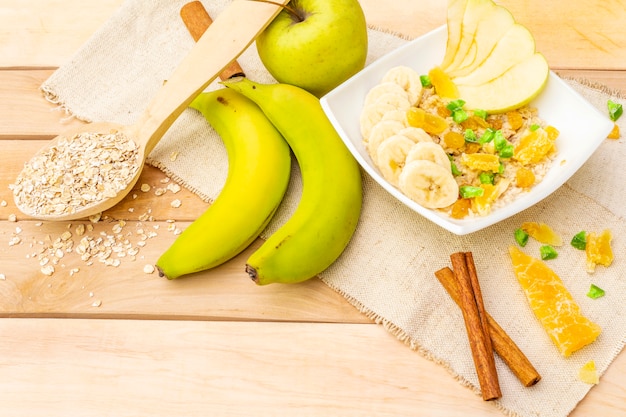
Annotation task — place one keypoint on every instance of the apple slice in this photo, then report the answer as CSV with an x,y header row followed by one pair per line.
x,y
515,46
491,28
475,12
513,89
456,10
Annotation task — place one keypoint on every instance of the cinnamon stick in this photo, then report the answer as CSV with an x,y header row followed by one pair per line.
x,y
197,20
479,339
502,343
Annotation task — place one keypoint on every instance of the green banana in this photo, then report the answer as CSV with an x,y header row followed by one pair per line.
x,y
330,206
259,168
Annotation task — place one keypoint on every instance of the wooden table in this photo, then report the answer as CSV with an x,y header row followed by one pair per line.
x,y
115,341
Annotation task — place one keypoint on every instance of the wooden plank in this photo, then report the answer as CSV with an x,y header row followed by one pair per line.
x,y
94,288
37,33
162,368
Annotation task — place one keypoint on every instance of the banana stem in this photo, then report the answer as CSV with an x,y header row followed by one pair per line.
x,y
293,12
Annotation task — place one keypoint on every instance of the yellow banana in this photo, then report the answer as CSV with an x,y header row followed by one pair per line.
x,y
326,217
259,167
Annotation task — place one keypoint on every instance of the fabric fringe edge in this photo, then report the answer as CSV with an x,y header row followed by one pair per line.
x,y
403,337
50,96
389,32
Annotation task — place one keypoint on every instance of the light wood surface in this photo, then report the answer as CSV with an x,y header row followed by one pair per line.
x,y
117,341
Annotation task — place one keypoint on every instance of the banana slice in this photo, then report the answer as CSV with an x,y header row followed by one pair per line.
x,y
391,155
400,102
371,115
408,79
397,115
429,151
416,134
383,89
381,131
428,184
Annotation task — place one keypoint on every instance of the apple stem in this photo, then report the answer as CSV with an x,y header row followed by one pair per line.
x,y
288,9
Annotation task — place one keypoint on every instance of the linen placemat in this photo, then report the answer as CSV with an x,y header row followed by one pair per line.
x,y
387,271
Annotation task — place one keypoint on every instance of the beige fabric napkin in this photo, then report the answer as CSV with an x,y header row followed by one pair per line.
x,y
387,271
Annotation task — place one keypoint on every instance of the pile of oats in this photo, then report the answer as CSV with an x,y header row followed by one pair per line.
x,y
76,173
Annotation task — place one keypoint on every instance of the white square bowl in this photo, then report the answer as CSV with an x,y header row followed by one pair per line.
x,y
582,128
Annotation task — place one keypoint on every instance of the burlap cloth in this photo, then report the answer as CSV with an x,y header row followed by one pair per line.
x,y
387,270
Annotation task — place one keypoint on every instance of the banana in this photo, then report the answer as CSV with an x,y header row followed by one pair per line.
x,y
250,195
429,184
429,151
408,79
382,89
381,131
391,157
326,217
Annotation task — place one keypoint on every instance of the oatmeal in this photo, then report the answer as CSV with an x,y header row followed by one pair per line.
x,y
76,173
481,161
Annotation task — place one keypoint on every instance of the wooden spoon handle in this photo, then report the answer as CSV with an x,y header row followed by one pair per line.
x,y
229,35
197,20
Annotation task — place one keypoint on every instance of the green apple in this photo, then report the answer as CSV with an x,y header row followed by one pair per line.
x,y
315,44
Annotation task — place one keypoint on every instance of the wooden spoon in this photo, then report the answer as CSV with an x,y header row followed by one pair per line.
x,y
227,37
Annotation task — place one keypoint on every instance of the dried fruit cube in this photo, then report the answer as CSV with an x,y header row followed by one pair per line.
x,y
444,87
615,132
431,123
598,249
453,140
515,120
524,178
542,233
481,161
461,208
588,373
533,147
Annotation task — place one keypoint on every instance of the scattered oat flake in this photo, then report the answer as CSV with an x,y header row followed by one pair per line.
x,y
145,187
47,270
160,191
173,156
96,303
12,218
148,268
3,277
95,218
3,203
176,203
173,187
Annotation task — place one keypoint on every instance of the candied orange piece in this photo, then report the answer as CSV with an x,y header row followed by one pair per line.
x,y
481,161
543,233
552,132
461,208
552,304
482,204
598,250
615,132
444,87
453,140
588,373
533,147
431,123
472,147
524,178
515,120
